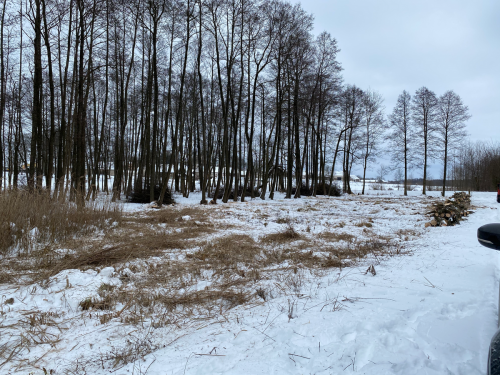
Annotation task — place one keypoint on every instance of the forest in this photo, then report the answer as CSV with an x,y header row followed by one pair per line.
x,y
231,97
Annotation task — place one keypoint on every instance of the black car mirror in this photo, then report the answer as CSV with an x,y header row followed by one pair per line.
x,y
489,235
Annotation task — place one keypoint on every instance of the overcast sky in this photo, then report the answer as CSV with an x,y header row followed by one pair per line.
x,y
395,45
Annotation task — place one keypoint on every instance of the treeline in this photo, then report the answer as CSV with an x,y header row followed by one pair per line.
x,y
477,167
228,94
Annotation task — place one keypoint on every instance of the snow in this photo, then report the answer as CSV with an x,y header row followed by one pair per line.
x,y
432,310
429,313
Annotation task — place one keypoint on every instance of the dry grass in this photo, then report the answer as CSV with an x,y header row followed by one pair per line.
x,y
105,303
406,234
176,269
307,209
287,235
362,224
35,226
228,250
229,264
233,260
283,220
331,262
204,298
336,236
232,263
87,253
132,237
29,220
166,292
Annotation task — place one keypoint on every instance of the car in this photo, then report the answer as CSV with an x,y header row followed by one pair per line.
x,y
489,235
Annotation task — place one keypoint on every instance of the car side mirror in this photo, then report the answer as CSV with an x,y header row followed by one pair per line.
x,y
489,235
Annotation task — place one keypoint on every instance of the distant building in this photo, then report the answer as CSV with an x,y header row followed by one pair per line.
x,y
339,176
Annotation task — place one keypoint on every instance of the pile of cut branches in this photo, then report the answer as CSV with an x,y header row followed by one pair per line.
x,y
450,212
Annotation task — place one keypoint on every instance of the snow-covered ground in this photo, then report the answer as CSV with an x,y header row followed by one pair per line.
x,y
431,310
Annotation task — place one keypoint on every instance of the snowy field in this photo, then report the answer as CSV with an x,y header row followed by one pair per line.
x,y
416,300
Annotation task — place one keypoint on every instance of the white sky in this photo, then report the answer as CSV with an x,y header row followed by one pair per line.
x,y
393,45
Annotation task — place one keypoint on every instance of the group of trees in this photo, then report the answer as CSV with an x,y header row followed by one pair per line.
x,y
476,167
424,128
164,94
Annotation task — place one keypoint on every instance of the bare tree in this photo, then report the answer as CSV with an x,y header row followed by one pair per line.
x,y
2,87
351,109
36,114
451,121
373,125
235,95
401,135
424,114
399,176
382,172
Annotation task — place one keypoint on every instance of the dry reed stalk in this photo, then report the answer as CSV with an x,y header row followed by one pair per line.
x,y
31,220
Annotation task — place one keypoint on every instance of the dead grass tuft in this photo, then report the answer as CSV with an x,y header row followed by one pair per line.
x,y
228,250
283,220
406,234
92,303
287,235
307,208
306,258
340,225
331,262
336,237
105,288
362,224
92,255
261,293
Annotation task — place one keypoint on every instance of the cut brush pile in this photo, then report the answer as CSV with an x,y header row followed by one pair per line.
x,y
451,212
